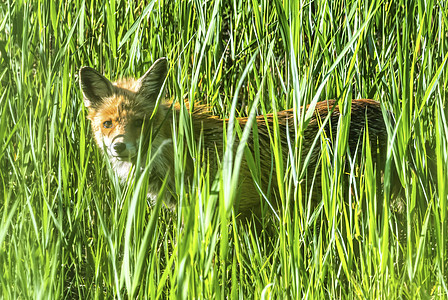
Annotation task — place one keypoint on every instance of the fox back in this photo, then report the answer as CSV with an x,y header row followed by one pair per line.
x,y
118,112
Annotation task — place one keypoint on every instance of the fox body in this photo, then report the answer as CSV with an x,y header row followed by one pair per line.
x,y
119,110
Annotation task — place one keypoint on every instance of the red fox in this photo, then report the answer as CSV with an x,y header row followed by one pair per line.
x,y
119,110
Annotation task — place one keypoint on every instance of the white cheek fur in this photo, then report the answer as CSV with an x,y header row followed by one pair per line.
x,y
122,168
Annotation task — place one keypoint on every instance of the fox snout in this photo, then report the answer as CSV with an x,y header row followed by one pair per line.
x,y
121,149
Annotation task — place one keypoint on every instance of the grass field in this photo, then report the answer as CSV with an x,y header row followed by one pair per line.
x,y
69,230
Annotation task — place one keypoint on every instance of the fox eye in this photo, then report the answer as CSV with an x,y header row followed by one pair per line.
x,y
107,124
138,123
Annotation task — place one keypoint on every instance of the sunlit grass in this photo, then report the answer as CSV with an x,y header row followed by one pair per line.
x,y
70,230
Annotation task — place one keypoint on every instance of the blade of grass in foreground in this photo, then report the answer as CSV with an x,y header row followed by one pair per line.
x,y
7,216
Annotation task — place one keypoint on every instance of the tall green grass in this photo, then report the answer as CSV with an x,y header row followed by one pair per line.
x,y
70,230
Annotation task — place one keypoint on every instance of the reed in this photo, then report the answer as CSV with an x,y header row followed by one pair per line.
x,y
70,229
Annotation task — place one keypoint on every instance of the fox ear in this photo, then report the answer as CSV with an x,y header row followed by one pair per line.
x,y
95,87
149,85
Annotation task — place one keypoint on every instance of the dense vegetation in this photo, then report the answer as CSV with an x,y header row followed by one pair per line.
x,y
69,230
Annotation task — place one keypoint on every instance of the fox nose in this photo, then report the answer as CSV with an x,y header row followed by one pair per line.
x,y
119,147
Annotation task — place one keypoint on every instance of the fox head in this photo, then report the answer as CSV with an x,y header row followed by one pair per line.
x,y
118,111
